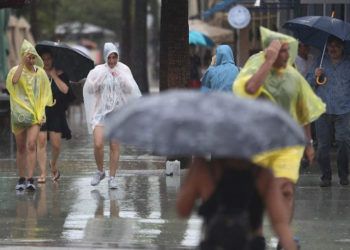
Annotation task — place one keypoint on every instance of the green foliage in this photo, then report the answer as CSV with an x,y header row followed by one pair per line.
x,y
104,13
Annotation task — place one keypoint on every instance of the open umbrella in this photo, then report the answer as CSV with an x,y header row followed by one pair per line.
x,y
315,30
72,61
217,34
198,38
188,122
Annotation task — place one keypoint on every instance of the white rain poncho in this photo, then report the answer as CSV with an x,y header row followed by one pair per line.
x,y
107,89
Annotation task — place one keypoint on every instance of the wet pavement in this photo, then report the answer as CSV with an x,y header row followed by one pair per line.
x,y
140,214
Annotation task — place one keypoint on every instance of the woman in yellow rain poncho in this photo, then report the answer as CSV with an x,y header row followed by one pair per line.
x,y
270,75
30,93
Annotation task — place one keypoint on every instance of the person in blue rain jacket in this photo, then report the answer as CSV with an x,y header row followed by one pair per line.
x,y
221,75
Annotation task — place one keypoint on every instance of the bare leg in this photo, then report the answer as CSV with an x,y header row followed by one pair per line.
x,y
286,187
32,136
21,153
41,153
55,139
98,147
114,157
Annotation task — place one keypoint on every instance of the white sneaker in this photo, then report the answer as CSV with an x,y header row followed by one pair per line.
x,y
97,177
112,183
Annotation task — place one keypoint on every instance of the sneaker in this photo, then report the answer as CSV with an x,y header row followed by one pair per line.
x,y
297,242
325,183
112,183
344,181
97,177
30,185
21,184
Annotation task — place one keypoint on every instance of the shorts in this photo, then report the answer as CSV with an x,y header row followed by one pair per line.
x,y
284,163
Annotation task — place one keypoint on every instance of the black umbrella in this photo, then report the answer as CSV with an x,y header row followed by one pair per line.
x,y
73,62
184,123
315,30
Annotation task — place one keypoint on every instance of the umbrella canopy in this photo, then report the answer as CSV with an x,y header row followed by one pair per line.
x,y
188,122
314,30
72,61
198,38
217,34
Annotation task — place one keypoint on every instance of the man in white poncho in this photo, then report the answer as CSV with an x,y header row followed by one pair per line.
x,y
107,88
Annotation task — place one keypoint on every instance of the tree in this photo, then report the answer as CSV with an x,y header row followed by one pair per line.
x,y
174,49
139,45
125,45
49,13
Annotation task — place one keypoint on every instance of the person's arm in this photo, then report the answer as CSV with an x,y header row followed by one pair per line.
x,y
257,80
309,149
18,72
62,86
199,184
187,196
275,209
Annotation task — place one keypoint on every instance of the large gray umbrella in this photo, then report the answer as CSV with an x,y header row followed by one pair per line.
x,y
185,122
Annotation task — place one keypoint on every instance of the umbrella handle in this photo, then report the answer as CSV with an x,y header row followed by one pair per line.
x,y
321,80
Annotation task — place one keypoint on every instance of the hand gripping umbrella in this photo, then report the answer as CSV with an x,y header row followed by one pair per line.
x,y
189,122
315,30
73,62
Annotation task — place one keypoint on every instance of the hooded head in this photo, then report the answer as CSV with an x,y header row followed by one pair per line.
x,y
108,49
28,48
224,55
267,36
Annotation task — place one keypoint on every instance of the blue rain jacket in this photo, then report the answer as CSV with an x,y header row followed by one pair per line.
x,y
221,76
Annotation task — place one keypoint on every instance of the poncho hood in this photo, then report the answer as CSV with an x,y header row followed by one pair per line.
x,y
28,48
108,49
268,35
224,55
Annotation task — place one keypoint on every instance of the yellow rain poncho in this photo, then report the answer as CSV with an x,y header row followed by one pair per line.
x,y
286,87
30,95
289,90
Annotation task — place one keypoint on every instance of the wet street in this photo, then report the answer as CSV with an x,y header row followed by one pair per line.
x,y
140,214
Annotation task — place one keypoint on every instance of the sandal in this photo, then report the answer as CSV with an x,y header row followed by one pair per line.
x,y
55,174
41,179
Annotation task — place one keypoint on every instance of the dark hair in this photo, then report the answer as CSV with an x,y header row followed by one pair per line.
x,y
45,51
332,38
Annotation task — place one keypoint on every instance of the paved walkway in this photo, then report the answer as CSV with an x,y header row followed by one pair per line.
x,y
140,214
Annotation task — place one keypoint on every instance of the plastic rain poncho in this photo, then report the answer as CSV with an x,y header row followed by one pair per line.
x,y
286,87
30,95
220,76
107,90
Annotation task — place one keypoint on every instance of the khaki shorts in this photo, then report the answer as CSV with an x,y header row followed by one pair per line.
x,y
284,162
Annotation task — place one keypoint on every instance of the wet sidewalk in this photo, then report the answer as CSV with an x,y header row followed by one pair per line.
x,y
140,214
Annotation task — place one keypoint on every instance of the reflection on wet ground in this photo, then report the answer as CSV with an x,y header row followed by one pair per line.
x,y
140,214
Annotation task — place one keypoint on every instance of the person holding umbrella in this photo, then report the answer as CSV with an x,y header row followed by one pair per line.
x,y
107,88
233,191
30,93
270,74
56,125
335,93
234,194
